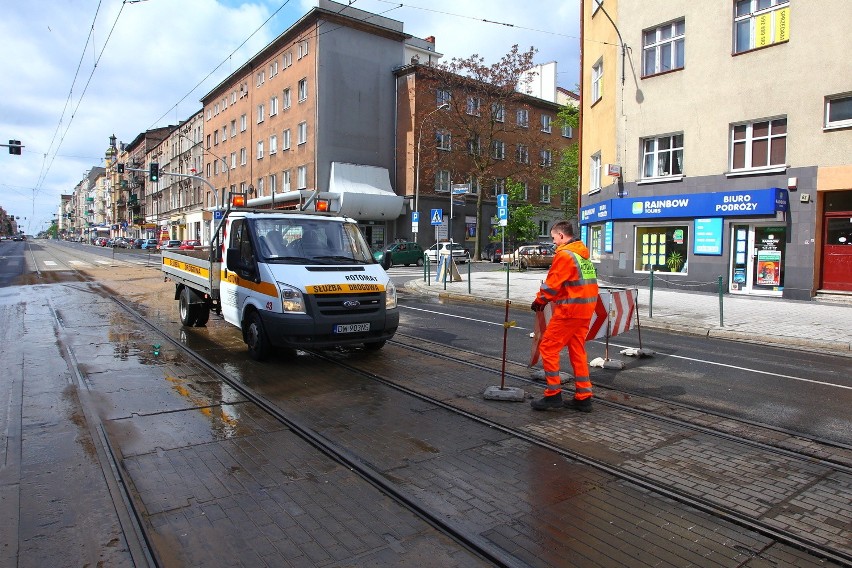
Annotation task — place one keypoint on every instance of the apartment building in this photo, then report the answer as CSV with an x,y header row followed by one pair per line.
x,y
454,132
717,141
312,113
139,204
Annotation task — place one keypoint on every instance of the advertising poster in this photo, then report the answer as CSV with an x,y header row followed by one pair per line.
x,y
708,236
768,268
470,228
608,236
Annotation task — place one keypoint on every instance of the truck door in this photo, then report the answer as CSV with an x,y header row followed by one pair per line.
x,y
232,294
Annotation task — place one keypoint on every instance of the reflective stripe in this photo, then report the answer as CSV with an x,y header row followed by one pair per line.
x,y
576,301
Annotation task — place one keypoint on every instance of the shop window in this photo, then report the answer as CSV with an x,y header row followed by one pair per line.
x,y
662,248
595,242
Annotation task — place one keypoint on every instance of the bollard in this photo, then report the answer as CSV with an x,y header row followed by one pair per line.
x,y
425,268
721,307
468,275
506,264
651,295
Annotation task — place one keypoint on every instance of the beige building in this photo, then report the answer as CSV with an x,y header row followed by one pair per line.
x,y
717,139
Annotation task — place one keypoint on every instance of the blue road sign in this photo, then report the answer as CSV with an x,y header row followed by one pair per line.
x,y
502,212
437,216
218,214
503,200
415,216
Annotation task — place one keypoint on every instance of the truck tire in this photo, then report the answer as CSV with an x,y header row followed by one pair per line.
x,y
255,337
188,310
202,315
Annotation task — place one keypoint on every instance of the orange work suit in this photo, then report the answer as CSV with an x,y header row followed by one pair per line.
x,y
572,289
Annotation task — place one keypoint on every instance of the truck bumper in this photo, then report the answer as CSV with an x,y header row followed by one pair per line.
x,y
301,331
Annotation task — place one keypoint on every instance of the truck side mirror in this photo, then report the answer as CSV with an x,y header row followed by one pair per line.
x,y
233,261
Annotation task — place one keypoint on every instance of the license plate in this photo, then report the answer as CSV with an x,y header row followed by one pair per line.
x,y
351,327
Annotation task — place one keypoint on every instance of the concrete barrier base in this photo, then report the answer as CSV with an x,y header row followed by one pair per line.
x,y
507,394
636,352
606,363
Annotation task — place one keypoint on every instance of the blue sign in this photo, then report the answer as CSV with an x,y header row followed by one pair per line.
x,y
707,236
415,216
217,214
608,236
437,216
502,213
502,200
717,204
584,234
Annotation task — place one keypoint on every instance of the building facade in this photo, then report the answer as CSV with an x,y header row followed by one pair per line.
x,y
710,150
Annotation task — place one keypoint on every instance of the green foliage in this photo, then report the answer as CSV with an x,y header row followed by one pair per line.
x,y
565,173
521,226
674,261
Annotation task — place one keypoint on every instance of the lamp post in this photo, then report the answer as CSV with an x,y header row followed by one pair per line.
x,y
443,106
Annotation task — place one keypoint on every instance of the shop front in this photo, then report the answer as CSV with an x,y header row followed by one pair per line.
x,y
683,239
837,242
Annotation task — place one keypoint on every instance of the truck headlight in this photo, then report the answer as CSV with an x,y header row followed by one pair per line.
x,y
292,300
390,295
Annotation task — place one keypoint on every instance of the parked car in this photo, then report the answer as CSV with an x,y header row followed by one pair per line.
x,y
149,244
189,245
407,253
460,254
101,241
136,243
493,252
531,256
170,244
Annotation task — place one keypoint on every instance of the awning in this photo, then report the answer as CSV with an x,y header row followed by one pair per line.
x,y
365,192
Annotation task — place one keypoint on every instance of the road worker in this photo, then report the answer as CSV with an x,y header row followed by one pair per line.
x,y
572,287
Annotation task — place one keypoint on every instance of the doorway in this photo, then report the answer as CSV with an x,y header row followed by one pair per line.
x,y
837,253
757,260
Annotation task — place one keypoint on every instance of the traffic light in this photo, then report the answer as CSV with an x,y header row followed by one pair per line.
x,y
120,168
154,171
15,147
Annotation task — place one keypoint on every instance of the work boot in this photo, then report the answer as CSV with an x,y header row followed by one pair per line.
x,y
584,405
547,402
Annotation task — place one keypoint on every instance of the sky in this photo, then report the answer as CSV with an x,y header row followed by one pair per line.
x,y
77,71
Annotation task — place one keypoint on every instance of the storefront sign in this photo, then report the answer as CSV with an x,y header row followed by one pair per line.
x,y
608,236
718,204
708,236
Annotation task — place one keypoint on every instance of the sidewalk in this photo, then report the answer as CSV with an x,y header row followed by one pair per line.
x,y
788,323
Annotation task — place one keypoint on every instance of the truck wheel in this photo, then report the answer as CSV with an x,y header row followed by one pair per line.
x,y
202,315
188,310
374,345
255,337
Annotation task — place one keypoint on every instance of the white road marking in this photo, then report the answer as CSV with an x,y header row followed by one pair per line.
x,y
49,263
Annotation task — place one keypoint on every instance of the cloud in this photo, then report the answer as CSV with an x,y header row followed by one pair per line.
x,y
147,65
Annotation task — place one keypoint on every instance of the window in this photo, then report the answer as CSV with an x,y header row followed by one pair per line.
x,y
302,177
838,111
546,158
233,160
286,96
442,181
261,77
663,48
758,23
499,186
260,187
542,228
663,248
526,191
233,128
273,69
474,146
597,81
595,242
233,97
287,59
208,141
273,184
215,137
216,167
303,90
567,132
498,112
260,113
273,144
759,144
443,139
545,194
285,181
595,173
546,121
285,139
522,117
473,105
523,154
443,97
303,48
498,150
243,156
273,106
260,149
473,185
224,133
662,156
243,121
302,133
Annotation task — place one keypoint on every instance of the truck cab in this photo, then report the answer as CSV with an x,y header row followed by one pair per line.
x,y
303,280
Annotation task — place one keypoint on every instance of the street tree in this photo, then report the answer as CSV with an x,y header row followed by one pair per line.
x,y
480,97
566,171
521,226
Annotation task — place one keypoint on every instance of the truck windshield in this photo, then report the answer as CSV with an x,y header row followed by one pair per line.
x,y
319,241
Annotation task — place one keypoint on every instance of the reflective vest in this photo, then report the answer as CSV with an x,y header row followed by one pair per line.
x,y
571,286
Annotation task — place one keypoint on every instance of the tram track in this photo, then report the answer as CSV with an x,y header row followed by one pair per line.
x,y
472,540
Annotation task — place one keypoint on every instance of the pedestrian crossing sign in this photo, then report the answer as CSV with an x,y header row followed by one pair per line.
x,y
437,216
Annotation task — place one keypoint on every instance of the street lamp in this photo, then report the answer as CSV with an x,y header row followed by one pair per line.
x,y
443,106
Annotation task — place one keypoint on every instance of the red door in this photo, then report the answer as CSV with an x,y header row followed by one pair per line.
x,y
837,254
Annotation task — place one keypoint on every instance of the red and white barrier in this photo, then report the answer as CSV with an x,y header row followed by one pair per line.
x,y
615,313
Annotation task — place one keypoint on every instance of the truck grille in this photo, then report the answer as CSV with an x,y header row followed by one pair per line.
x,y
348,304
